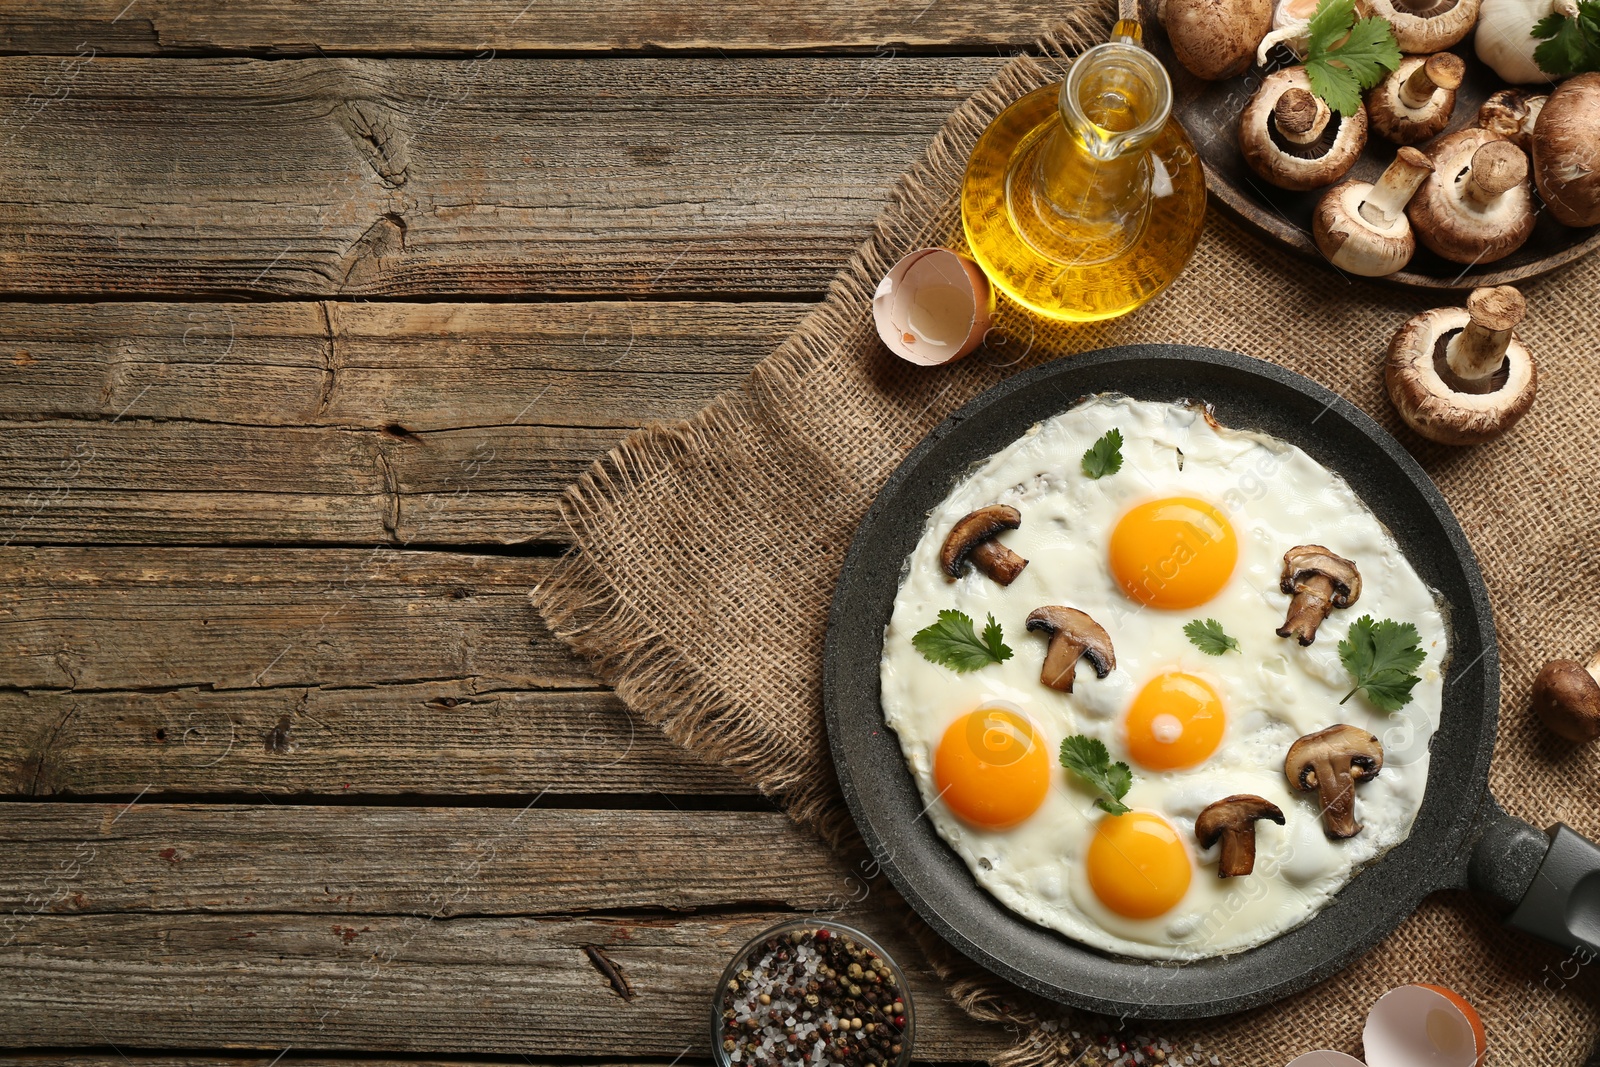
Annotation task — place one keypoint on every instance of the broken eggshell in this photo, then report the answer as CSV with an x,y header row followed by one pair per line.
x,y
1412,1026
933,307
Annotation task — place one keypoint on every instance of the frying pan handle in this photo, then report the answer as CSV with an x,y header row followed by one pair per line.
x,y
1553,878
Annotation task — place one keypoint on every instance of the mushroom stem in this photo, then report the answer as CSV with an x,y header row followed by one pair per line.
x,y
1309,606
1061,662
1497,167
1444,70
1476,354
1336,794
1300,117
1387,199
997,561
1238,856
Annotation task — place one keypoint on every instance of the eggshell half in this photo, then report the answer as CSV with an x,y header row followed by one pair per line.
x,y
1423,1024
933,307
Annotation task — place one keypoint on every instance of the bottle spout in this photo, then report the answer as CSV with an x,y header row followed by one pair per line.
x,y
1128,29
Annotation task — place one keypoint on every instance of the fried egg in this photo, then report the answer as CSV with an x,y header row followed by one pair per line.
x,y
1193,526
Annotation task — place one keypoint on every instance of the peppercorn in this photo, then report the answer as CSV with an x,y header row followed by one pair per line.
x,y
899,1007
729,1045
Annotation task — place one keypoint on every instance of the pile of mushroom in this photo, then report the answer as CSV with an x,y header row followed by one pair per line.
x,y
1461,377
1482,201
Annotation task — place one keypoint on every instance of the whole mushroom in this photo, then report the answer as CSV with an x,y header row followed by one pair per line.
x,y
1422,27
1461,377
1215,39
1073,635
1566,151
1332,761
1363,228
1317,581
1477,207
973,540
1415,101
1512,113
1295,141
1566,696
1232,820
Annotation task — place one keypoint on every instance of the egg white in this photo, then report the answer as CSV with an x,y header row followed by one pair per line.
x,y
1273,690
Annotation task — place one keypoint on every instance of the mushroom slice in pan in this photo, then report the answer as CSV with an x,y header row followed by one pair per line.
x,y
1073,635
1422,27
1291,138
1332,761
973,538
1318,581
1418,97
1477,207
1461,376
1232,820
1566,697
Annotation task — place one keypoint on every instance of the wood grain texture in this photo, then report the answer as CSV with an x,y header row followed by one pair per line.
x,y
125,618
312,422
436,863
173,27
443,738
406,984
359,177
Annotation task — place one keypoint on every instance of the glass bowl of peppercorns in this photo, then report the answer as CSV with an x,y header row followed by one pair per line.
x,y
812,994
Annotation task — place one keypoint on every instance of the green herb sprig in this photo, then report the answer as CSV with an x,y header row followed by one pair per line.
x,y
1104,456
1088,758
1209,637
1383,658
1345,56
953,641
1571,45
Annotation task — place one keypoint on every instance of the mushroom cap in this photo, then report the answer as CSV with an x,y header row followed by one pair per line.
x,y
1567,698
1057,620
1566,151
1303,562
1237,812
1423,31
1337,743
1392,118
1274,162
972,531
1354,243
1512,113
1216,39
1447,220
1427,403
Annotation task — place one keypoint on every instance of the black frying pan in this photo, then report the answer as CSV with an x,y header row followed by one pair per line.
x,y
1461,837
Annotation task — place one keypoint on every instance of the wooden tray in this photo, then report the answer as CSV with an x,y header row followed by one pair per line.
x,y
1210,112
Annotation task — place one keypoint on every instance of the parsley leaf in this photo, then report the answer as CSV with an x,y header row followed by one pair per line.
x,y
1104,456
1571,45
1383,658
953,642
1345,56
1088,759
1210,638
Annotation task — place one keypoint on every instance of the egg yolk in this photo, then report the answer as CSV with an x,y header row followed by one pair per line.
x,y
1138,866
1175,722
1173,553
991,769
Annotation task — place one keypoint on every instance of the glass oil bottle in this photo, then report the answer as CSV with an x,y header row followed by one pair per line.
x,y
1083,201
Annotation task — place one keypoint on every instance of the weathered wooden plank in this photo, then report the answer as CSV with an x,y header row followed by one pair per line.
x,y
346,423
430,739
348,176
432,862
405,984
126,618
172,27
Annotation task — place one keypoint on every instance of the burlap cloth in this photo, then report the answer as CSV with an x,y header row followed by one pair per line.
x,y
706,554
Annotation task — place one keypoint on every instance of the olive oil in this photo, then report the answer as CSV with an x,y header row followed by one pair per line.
x,y
1082,201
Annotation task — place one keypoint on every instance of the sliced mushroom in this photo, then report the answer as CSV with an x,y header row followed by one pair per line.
x,y
973,538
1511,113
1072,635
1461,376
1291,138
1233,821
1566,696
1478,205
1422,27
1566,151
1332,761
1215,39
1417,99
1363,228
1318,581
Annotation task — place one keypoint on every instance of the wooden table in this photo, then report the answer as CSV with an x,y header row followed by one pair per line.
x,y
311,310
